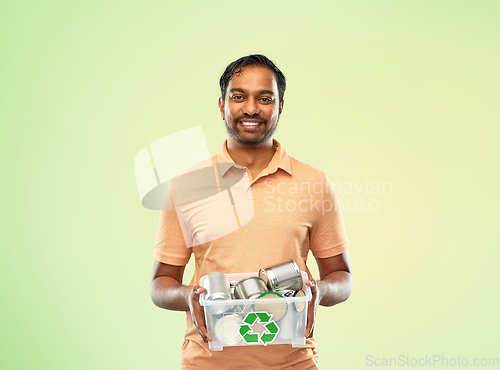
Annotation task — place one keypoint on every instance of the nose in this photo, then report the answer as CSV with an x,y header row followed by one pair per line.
x,y
251,107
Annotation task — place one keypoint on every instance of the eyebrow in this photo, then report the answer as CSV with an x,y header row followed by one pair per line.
x,y
239,89
267,92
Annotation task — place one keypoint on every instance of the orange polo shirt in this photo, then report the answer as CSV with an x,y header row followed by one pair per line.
x,y
242,225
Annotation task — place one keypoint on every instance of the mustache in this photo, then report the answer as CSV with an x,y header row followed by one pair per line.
x,y
247,116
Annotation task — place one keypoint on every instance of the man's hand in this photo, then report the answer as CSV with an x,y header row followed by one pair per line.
x,y
334,287
312,307
198,312
168,292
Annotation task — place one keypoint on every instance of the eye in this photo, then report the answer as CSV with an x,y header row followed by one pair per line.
x,y
237,97
266,100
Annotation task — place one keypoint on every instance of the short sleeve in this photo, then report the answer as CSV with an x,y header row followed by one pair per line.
x,y
328,237
170,247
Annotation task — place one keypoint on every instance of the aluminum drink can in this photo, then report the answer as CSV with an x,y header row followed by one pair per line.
x,y
286,275
216,285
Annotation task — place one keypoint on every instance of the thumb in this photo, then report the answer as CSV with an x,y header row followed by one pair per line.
x,y
311,283
198,289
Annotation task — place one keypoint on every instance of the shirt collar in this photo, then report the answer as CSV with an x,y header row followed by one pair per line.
x,y
280,160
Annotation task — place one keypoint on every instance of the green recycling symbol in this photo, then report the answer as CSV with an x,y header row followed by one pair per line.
x,y
267,336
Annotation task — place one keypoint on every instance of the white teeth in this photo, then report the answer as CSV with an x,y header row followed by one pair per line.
x,y
250,123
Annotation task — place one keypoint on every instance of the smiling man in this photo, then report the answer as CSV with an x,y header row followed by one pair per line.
x,y
250,112
251,105
295,210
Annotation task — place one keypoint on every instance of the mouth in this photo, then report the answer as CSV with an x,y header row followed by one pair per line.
x,y
249,124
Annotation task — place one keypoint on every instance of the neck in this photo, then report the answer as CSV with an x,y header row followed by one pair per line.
x,y
255,158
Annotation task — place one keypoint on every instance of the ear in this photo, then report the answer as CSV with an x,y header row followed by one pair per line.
x,y
280,109
221,107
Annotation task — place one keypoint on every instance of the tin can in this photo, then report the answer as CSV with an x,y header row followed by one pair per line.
x,y
286,293
250,287
272,303
217,288
286,275
232,285
299,305
227,329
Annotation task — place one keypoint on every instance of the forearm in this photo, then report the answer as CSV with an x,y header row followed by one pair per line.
x,y
168,293
334,288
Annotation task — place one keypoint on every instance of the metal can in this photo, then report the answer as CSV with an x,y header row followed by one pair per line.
x,y
300,305
250,287
286,275
272,303
216,285
286,293
227,329
232,285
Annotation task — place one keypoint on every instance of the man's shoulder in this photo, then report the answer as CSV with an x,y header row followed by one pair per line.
x,y
304,170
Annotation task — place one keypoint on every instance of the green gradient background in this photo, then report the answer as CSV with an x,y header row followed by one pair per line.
x,y
404,92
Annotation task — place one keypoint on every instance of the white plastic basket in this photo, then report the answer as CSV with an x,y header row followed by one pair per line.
x,y
246,322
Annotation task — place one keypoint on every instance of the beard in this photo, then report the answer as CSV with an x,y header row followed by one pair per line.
x,y
234,131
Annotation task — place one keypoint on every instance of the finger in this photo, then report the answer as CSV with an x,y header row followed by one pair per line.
x,y
194,304
198,290
312,332
195,294
195,322
203,325
310,318
310,321
312,284
198,314
311,308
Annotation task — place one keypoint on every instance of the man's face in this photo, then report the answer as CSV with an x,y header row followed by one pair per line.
x,y
250,108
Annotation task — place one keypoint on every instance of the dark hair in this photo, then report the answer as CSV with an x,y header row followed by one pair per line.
x,y
257,60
